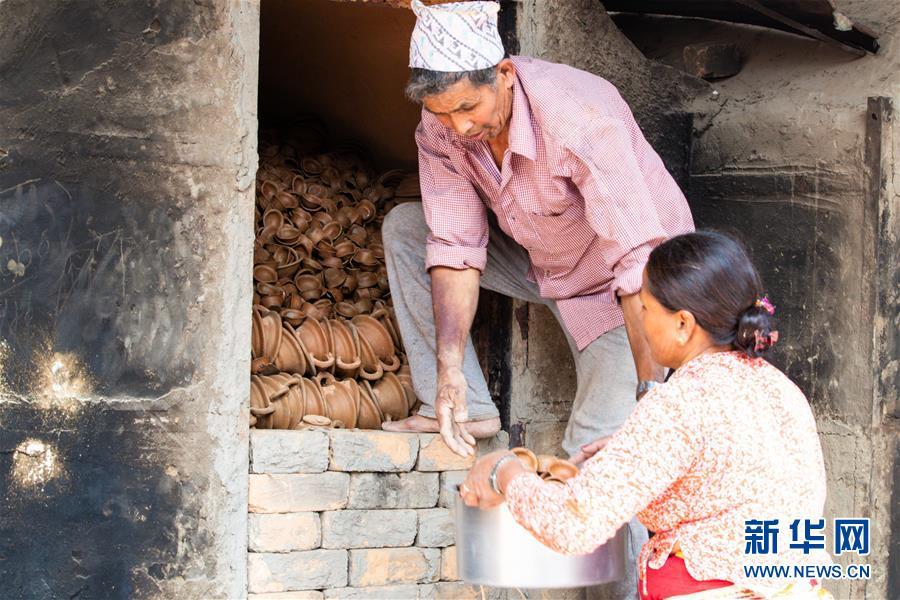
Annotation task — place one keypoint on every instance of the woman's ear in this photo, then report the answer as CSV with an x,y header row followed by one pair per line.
x,y
685,324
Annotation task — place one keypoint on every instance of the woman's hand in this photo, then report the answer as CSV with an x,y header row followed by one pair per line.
x,y
589,450
476,489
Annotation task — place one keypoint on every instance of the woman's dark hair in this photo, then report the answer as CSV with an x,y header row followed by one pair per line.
x,y
710,275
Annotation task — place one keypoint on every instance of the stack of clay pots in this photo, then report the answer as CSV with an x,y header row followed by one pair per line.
x,y
548,467
325,346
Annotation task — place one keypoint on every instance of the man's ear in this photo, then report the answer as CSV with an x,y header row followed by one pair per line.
x,y
685,324
506,73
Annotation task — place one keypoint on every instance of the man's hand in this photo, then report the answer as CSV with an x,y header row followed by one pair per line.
x,y
589,450
452,412
647,369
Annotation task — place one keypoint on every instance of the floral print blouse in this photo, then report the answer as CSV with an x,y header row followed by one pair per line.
x,y
726,439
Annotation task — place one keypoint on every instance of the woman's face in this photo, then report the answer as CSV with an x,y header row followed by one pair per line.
x,y
666,331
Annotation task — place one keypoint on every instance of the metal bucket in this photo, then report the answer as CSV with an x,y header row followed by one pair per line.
x,y
492,549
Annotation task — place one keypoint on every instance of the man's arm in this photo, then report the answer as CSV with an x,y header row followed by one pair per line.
x,y
454,296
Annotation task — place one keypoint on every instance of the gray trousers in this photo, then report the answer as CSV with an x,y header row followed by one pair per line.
x,y
606,376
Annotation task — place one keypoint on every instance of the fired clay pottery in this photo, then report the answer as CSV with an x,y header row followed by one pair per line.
x,y
291,357
346,310
562,469
260,407
317,421
273,219
527,458
335,277
391,397
370,416
271,301
346,348
367,279
332,230
342,400
292,316
344,248
375,333
332,262
366,209
265,273
315,402
544,462
370,367
357,235
317,342
256,334
301,219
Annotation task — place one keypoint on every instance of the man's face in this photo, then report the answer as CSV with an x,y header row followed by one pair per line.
x,y
478,112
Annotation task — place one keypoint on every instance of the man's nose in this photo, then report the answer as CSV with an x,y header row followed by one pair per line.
x,y
461,124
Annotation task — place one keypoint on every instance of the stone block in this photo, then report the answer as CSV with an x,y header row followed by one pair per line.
x,y
448,564
435,455
387,566
546,437
285,532
280,451
436,528
384,592
712,60
304,595
392,490
368,528
283,493
449,480
377,451
310,570
457,590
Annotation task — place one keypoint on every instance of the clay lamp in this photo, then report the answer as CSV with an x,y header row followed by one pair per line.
x,y
555,481
312,265
347,216
285,200
315,234
308,281
326,250
273,219
346,309
334,294
362,179
317,421
298,184
270,329
315,402
375,333
544,462
370,416
377,249
288,235
391,397
364,256
267,190
291,357
256,333
332,230
335,277
290,266
562,469
265,273
370,367
344,248
293,316
269,289
310,165
367,279
301,219
260,407
271,302
290,405
343,404
346,353
526,457
310,295
276,392
366,209
260,254
316,340
351,282
358,235
263,366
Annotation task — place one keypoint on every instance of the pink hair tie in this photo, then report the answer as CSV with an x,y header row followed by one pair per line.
x,y
765,304
764,341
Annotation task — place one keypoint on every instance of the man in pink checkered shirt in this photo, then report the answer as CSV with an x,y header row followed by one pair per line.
x,y
536,183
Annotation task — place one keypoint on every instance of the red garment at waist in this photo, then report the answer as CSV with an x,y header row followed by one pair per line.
x,y
673,579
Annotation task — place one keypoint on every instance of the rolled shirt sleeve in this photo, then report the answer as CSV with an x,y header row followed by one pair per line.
x,y
631,202
453,210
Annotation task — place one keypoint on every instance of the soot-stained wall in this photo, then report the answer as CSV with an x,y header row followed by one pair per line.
x,y
127,158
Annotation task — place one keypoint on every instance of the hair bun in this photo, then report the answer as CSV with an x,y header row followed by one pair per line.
x,y
756,332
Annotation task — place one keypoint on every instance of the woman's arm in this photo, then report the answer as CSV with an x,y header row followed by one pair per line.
x,y
655,447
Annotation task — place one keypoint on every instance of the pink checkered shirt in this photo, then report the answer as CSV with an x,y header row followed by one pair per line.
x,y
579,188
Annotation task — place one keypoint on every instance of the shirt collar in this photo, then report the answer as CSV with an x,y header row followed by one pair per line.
x,y
521,129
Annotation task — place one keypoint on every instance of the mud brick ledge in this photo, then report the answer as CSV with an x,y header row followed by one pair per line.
x,y
355,515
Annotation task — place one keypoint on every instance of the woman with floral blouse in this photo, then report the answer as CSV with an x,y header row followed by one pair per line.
x,y
727,439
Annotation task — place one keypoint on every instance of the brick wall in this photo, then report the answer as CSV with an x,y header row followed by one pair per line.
x,y
354,514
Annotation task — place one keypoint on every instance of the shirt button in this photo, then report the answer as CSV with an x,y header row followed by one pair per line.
x,y
546,272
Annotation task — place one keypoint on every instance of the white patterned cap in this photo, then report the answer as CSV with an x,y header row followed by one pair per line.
x,y
455,37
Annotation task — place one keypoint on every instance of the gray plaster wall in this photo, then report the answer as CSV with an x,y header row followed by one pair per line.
x,y
127,162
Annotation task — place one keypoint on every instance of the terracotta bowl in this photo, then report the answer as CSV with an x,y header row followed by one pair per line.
x,y
291,357
544,462
375,333
346,349
265,273
342,401
527,457
391,397
370,367
370,416
562,469
315,402
260,407
318,344
270,332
